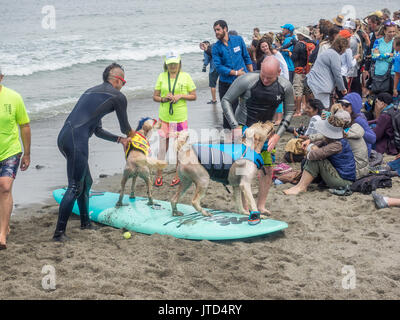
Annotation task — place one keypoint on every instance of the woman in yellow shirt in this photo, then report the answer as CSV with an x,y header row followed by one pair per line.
x,y
173,88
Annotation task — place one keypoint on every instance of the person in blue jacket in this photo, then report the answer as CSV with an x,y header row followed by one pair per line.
x,y
231,60
287,31
352,103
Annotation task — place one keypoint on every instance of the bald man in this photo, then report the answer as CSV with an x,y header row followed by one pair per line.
x,y
260,95
73,142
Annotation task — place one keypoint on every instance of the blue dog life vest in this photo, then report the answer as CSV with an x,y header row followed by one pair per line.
x,y
217,159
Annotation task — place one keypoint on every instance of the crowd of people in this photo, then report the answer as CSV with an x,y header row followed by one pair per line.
x,y
324,71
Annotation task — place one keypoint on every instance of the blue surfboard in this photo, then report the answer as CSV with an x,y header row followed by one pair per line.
x,y
137,216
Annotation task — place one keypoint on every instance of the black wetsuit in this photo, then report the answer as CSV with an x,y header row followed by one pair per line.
x,y
258,102
73,142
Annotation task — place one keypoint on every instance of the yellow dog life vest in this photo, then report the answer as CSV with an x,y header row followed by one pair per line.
x,y
139,141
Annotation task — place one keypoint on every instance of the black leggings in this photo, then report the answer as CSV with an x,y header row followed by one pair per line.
x,y
223,87
79,179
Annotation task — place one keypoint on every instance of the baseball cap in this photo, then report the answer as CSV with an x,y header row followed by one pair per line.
x,y
345,33
349,24
288,26
172,57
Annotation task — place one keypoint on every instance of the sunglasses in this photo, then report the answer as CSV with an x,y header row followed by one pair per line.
x,y
389,23
345,104
122,79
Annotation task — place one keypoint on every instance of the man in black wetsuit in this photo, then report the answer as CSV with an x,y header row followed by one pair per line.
x,y
73,142
259,96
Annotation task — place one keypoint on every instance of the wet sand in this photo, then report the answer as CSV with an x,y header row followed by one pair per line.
x,y
327,234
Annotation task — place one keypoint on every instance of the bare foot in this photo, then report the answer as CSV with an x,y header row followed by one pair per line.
x,y
265,212
206,213
2,243
293,191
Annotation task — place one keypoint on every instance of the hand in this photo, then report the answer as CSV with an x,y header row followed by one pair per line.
x,y
395,93
344,92
237,135
125,143
176,98
305,144
272,142
357,56
240,72
25,162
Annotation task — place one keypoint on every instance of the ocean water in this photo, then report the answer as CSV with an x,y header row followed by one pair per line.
x,y
51,67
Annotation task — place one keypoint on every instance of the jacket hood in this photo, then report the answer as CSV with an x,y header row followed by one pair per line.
x,y
355,100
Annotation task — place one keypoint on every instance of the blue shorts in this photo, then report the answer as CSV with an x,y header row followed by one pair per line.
x,y
280,108
9,166
212,79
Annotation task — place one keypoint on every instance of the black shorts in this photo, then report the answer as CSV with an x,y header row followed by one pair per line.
x,y
212,79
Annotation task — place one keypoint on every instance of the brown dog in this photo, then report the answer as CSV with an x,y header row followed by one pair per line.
x,y
240,177
138,163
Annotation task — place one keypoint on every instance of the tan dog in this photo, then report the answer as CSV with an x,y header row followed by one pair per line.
x,y
241,173
138,163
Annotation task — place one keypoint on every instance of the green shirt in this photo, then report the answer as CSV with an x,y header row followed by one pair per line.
x,y
12,114
184,85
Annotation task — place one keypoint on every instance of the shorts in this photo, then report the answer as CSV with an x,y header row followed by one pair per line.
x,y
306,89
169,129
212,79
280,108
268,158
298,84
9,166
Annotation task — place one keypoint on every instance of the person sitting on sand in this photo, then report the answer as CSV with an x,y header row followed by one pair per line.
x,y
383,127
331,158
352,103
354,134
313,110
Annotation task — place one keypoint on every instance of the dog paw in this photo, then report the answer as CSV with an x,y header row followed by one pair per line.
x,y
150,202
132,196
120,204
177,213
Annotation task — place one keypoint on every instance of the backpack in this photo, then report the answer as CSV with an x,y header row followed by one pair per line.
x,y
310,48
371,182
394,113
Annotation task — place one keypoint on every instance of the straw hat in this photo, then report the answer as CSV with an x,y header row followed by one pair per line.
x,y
338,20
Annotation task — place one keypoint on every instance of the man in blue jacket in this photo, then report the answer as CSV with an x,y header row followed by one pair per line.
x,y
231,60
287,31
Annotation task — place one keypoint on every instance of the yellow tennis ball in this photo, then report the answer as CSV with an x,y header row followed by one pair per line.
x,y
127,235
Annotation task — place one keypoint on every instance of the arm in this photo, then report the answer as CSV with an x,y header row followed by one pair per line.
x,y
237,88
369,134
325,151
382,124
288,110
221,69
355,132
396,83
189,97
26,142
336,71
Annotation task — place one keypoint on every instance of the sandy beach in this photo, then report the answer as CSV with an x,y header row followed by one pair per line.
x,y
327,236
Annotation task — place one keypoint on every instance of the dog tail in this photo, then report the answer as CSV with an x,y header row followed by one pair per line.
x,y
152,163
